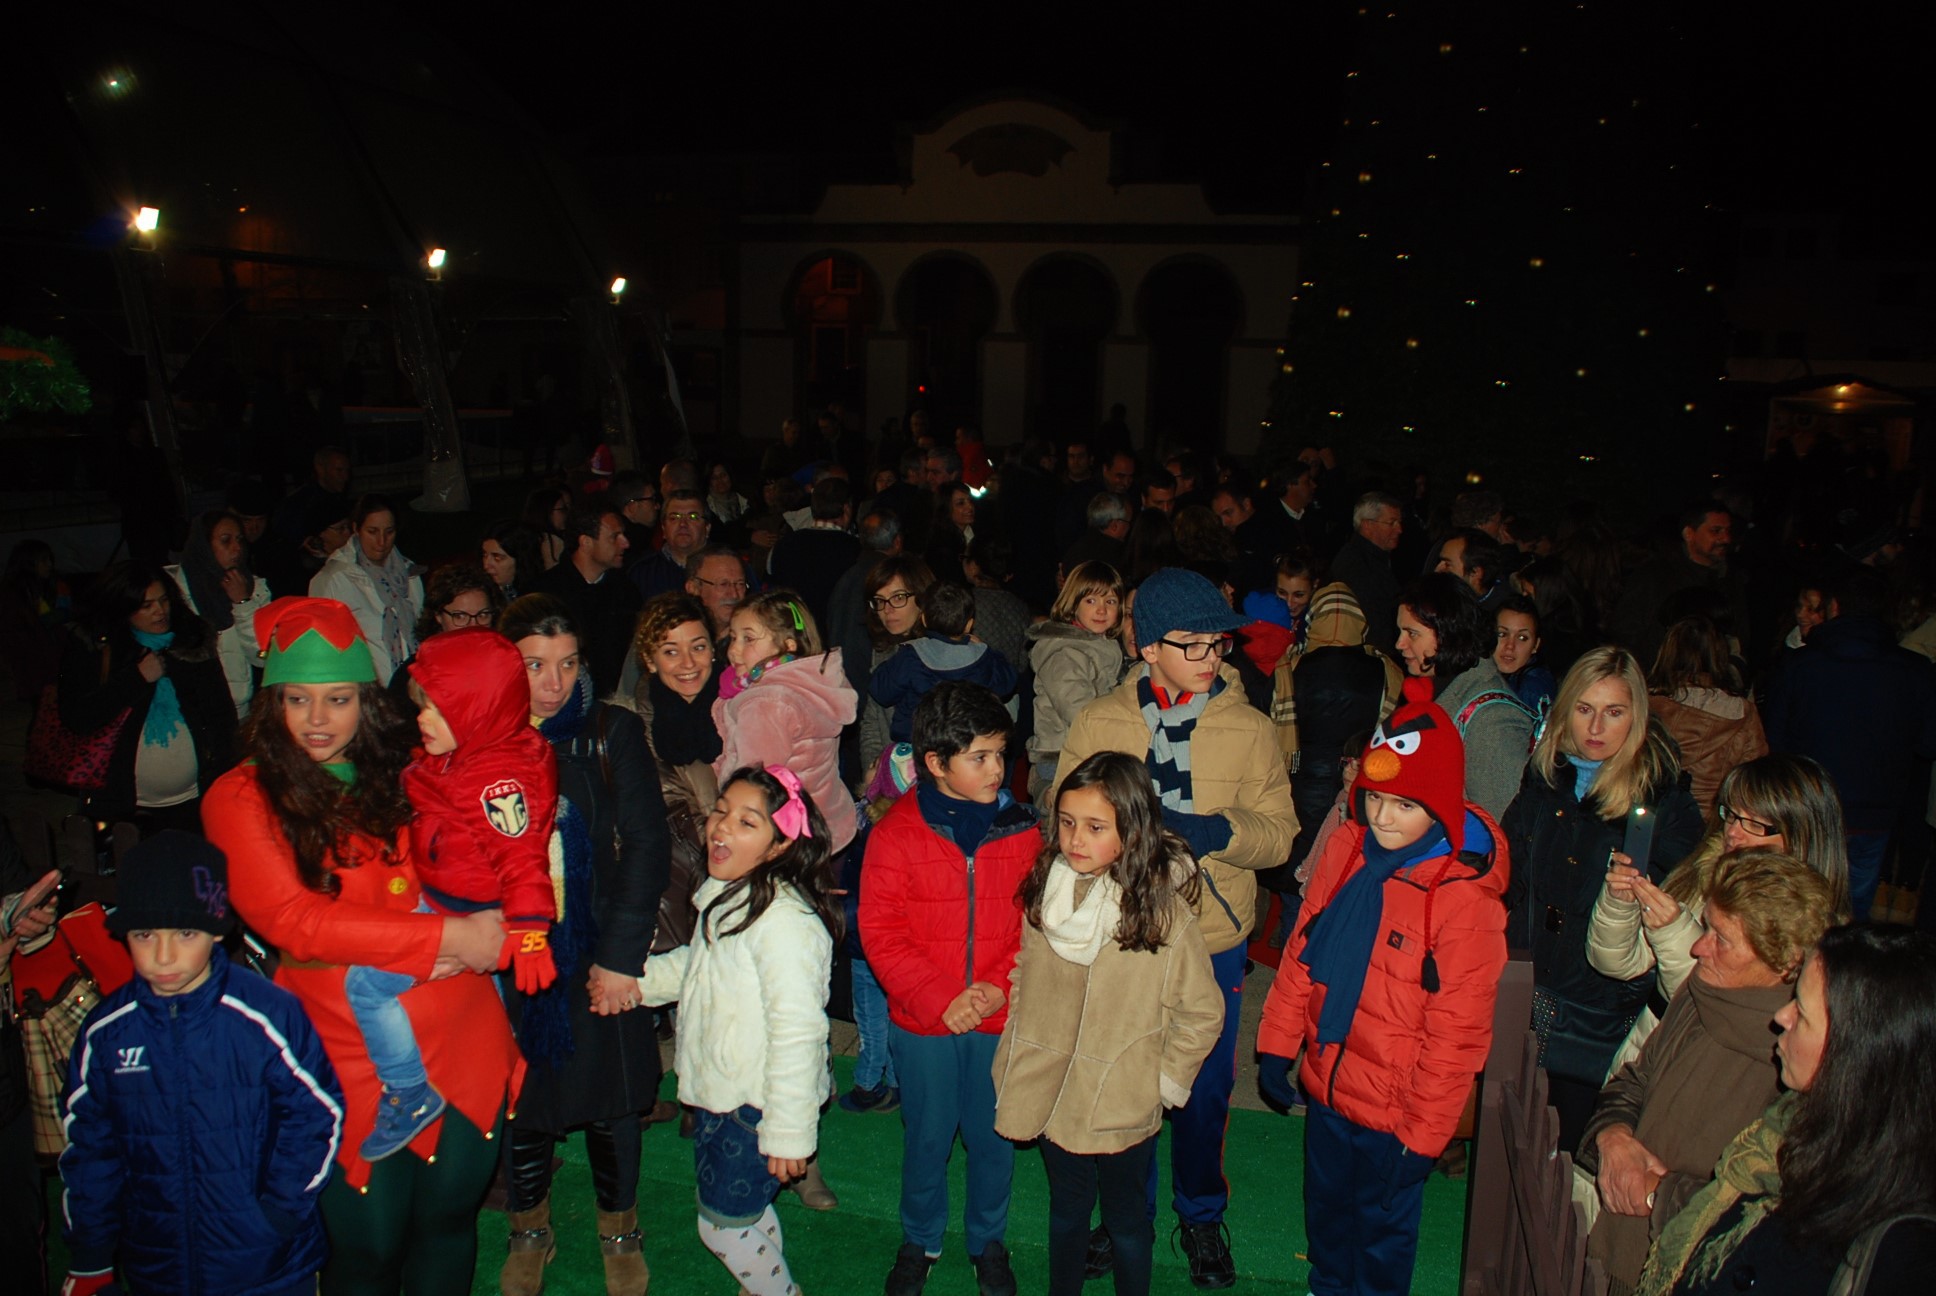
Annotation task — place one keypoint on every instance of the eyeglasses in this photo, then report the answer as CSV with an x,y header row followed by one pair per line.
x,y
897,600
457,618
736,586
684,517
1221,646
1754,826
638,499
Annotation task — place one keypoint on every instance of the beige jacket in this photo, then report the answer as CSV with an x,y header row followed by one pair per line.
x,y
1091,1055
1619,945
1236,772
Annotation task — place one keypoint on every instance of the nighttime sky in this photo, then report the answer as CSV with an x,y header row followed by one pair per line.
x,y
1800,109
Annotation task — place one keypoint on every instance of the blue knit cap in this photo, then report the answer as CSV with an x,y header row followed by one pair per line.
x,y
1175,600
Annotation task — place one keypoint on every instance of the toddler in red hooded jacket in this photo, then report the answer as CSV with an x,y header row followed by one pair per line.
x,y
485,789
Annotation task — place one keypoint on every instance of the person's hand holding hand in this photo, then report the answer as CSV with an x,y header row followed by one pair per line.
x,y
1657,908
988,998
612,992
151,667
1629,1173
962,1016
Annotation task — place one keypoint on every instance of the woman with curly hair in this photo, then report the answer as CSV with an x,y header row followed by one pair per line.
x,y
316,830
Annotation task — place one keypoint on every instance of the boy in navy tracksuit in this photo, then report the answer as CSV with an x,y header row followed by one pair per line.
x,y
202,1115
945,653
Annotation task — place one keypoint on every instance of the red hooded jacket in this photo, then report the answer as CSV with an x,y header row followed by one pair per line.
x,y
484,811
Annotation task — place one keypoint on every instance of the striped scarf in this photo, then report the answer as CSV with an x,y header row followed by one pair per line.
x,y
1171,722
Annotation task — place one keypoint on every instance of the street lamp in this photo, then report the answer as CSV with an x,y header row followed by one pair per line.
x,y
618,289
436,262
147,219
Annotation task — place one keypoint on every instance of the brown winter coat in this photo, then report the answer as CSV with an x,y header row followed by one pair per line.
x,y
1092,1054
1716,731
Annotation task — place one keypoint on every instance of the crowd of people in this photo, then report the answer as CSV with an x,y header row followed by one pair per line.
x,y
1043,752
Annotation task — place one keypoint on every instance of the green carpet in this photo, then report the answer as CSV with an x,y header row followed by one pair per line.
x,y
847,1252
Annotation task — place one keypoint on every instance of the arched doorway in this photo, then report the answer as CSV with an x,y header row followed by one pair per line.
x,y
1064,306
946,305
834,304
1190,311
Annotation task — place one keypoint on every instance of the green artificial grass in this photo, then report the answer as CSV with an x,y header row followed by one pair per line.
x,y
848,1251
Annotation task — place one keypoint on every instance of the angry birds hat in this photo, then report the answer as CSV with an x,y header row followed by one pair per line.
x,y
1417,754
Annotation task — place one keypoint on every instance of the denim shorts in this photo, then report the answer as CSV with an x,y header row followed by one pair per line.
x,y
733,1184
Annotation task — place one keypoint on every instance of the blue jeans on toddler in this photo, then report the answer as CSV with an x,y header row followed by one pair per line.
x,y
875,1065
733,1184
374,999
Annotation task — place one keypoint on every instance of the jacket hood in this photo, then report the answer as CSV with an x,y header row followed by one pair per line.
x,y
476,678
1476,863
1336,620
939,654
1853,634
1265,643
817,684
1739,1020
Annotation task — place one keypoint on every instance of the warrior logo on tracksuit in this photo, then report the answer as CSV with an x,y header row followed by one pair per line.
x,y
504,806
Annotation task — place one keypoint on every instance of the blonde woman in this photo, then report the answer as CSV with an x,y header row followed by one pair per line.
x,y
1600,762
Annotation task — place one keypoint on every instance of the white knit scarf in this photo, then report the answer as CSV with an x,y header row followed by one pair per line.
x,y
1078,932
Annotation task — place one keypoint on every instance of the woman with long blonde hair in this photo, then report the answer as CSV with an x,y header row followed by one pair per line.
x,y
1603,774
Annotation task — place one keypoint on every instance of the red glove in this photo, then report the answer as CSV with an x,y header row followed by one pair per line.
x,y
100,1284
527,948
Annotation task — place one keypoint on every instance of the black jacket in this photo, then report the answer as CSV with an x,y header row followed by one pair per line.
x,y
1559,853
1864,708
1367,571
91,698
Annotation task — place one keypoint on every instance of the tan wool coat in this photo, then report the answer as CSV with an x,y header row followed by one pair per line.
x,y
1092,1054
1235,771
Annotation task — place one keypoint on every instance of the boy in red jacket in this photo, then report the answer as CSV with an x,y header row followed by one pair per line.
x,y
942,930
485,791
1396,964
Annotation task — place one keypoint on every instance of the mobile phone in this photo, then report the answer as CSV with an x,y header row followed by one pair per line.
x,y
1639,843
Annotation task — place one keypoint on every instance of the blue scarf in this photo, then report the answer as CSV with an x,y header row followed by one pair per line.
x,y
1337,946
967,822
1584,772
545,1030
164,711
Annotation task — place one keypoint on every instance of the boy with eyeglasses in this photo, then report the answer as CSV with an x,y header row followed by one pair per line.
x,y
1221,780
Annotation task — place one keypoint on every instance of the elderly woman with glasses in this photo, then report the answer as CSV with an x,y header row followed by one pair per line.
x,y
1709,1070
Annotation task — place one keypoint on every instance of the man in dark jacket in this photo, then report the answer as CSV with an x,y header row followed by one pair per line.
x,y
1364,564
1652,598
602,601
811,560
1866,709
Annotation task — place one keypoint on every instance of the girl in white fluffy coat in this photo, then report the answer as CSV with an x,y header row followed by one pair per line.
x,y
752,993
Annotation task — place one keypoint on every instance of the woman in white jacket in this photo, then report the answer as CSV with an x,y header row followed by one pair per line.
x,y
752,993
375,581
218,586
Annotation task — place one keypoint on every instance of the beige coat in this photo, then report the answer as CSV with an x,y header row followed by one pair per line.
x,y
1236,771
1091,1055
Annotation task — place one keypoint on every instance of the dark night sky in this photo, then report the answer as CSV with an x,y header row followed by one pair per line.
x,y
1796,107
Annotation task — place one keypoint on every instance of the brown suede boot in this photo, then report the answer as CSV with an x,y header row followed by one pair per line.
x,y
623,1246
812,1190
531,1249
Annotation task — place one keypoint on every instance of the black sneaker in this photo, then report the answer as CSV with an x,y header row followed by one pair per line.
x,y
878,1099
910,1272
993,1277
1208,1249
1102,1254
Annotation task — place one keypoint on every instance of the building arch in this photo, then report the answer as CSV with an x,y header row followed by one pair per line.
x,y
832,305
1191,309
1066,305
945,304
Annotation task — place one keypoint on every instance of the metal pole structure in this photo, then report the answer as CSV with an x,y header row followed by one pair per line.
x,y
421,358
134,280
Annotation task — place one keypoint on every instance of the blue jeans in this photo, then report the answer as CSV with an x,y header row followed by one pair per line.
x,y
374,1001
875,1065
948,1087
1867,850
1198,1191
1360,1216
733,1184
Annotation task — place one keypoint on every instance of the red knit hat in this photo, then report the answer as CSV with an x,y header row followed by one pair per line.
x,y
1417,754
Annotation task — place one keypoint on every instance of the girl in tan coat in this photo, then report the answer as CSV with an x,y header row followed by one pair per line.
x,y
1113,1009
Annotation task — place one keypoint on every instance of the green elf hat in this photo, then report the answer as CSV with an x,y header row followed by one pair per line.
x,y
312,641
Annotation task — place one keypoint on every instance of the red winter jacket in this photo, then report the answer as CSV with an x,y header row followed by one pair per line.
x,y
485,811
1408,1064
933,921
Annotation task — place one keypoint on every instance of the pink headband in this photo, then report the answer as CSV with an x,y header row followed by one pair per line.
x,y
791,818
